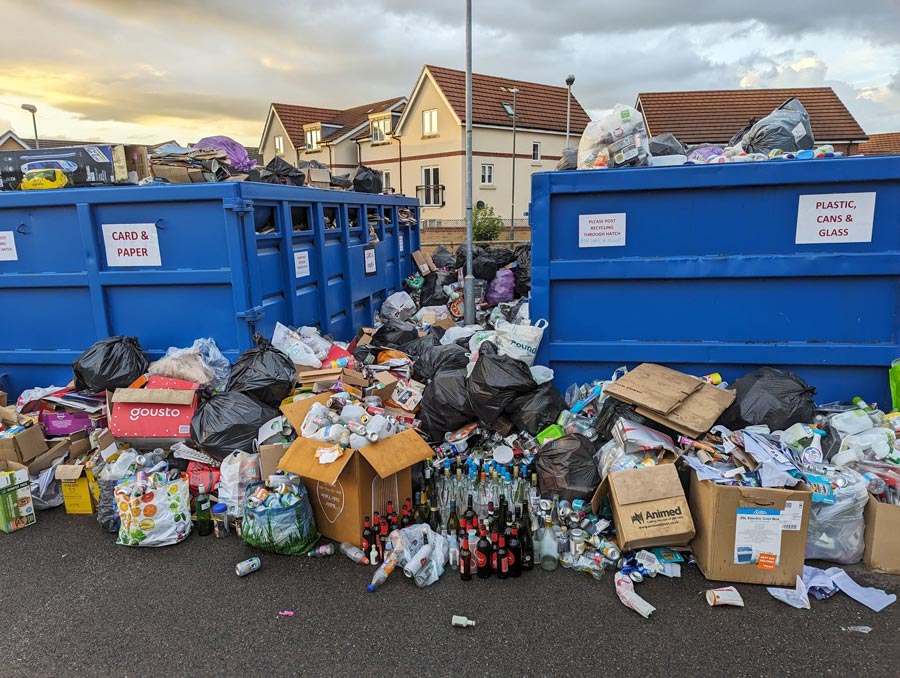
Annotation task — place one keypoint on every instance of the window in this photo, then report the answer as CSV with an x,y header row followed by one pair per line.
x,y
279,145
381,129
431,188
313,137
429,122
487,175
386,181
536,151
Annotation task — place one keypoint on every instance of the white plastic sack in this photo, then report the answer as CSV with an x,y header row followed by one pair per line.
x,y
289,342
398,306
454,334
157,517
201,363
479,338
541,374
618,139
238,470
520,341
429,315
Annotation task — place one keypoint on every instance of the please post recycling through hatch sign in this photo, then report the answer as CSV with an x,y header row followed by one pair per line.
x,y
835,218
601,230
131,245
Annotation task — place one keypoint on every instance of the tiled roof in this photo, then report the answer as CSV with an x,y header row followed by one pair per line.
x,y
366,133
714,116
539,106
353,117
294,117
62,143
254,154
881,144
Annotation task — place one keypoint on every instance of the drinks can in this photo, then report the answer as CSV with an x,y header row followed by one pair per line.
x,y
245,567
579,505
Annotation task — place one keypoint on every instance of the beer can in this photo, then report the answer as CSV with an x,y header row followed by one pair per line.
x,y
245,567
579,505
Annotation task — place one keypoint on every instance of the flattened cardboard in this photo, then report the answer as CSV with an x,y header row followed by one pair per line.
x,y
673,399
396,453
648,506
714,508
269,457
882,544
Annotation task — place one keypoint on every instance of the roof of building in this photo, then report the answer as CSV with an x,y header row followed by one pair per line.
x,y
541,107
295,117
881,144
254,154
51,143
715,116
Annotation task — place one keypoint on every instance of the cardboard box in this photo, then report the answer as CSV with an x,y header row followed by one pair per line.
x,y
648,506
84,165
358,483
79,487
882,545
679,401
16,508
269,457
2,399
752,535
64,423
152,417
424,263
24,446
58,448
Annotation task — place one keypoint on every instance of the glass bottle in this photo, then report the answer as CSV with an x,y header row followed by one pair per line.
x,y
204,517
549,549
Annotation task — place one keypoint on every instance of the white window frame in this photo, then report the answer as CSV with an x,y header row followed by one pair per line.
x,y
279,145
314,135
535,146
386,180
380,130
431,197
429,122
487,179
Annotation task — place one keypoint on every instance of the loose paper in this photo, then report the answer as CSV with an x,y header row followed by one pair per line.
x,y
757,531
835,218
601,230
301,264
796,597
874,599
8,246
131,245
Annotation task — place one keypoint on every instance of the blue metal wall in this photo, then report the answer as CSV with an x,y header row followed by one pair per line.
x,y
710,277
219,278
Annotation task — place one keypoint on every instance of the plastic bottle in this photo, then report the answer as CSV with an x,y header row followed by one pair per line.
x,y
353,412
353,553
383,572
320,551
875,484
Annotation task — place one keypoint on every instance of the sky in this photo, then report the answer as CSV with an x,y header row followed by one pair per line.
x,y
150,71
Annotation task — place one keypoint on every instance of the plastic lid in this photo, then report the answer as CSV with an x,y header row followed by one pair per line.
x,y
220,508
371,587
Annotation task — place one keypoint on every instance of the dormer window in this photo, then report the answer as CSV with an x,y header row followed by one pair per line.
x,y
313,139
381,129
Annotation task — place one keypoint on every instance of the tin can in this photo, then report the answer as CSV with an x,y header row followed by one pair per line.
x,y
576,542
579,505
245,567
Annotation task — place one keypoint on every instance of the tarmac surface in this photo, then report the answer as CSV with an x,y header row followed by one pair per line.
x,y
74,603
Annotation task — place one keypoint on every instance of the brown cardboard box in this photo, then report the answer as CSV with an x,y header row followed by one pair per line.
x,y
649,507
57,449
358,483
269,457
423,262
24,446
680,401
882,545
725,515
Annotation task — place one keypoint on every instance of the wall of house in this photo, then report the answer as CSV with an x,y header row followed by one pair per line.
x,y
11,145
341,159
268,146
385,157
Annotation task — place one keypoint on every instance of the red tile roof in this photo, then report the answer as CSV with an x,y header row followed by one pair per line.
x,y
353,117
294,117
714,116
539,106
881,144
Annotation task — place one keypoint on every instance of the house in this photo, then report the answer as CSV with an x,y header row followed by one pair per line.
x,y
715,116
304,133
881,144
10,141
424,153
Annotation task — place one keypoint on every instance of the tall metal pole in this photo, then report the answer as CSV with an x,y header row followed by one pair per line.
x,y
512,208
570,80
469,280
33,110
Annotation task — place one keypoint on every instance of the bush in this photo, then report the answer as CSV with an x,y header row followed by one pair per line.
x,y
486,225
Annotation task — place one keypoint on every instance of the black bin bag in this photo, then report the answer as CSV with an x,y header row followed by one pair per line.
x,y
535,411
777,398
445,405
263,373
496,381
417,347
395,333
228,421
111,363
566,467
439,359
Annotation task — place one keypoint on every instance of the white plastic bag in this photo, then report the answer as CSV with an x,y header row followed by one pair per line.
x,y
520,341
429,315
837,531
541,374
154,516
290,343
454,334
618,139
399,306
238,470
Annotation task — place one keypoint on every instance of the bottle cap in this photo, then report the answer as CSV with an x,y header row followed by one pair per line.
x,y
220,508
371,587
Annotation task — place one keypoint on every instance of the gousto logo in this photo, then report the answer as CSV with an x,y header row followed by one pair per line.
x,y
143,412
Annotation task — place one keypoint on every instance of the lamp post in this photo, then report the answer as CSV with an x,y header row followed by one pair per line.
x,y
570,80
469,279
512,209
33,110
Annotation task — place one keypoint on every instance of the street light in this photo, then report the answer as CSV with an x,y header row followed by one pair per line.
x,y
512,113
570,80
33,109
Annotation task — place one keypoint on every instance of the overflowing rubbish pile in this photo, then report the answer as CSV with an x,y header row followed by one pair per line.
x,y
435,448
620,139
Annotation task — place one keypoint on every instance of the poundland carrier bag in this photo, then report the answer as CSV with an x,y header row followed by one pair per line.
x,y
520,341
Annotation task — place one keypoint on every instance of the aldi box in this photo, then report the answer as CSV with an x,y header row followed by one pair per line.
x,y
648,507
79,487
24,446
16,508
358,483
424,263
157,416
882,542
89,165
751,535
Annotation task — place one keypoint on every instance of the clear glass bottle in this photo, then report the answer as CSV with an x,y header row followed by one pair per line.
x,y
549,549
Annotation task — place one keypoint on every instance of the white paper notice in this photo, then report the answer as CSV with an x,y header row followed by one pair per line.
x,y
8,246
402,244
369,259
301,264
131,245
835,217
601,230
792,515
757,531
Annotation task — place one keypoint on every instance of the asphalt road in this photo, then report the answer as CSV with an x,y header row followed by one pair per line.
x,y
75,603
